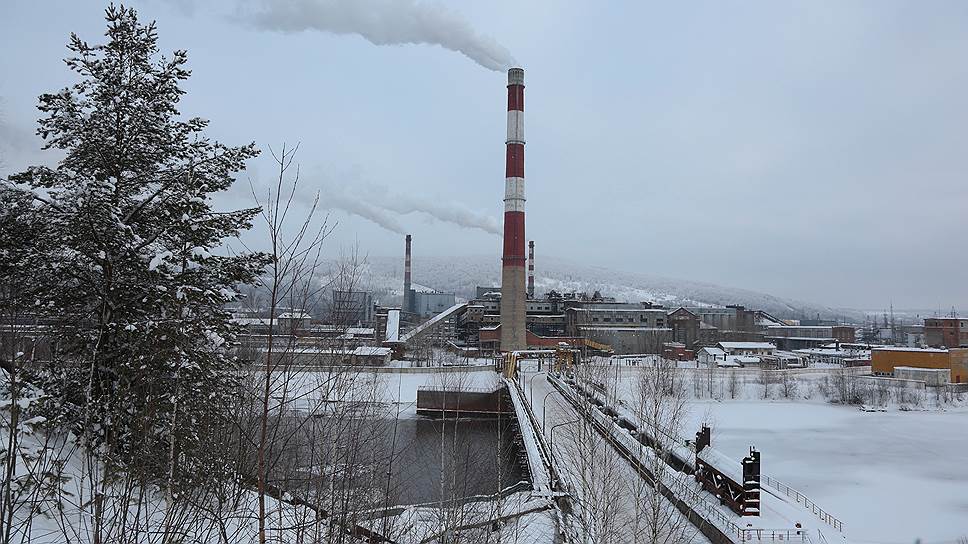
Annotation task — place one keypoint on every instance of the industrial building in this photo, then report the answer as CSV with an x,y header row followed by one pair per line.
x,y
747,348
418,305
625,327
793,337
945,332
349,307
885,360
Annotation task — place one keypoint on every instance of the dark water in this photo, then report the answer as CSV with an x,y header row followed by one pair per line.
x,y
433,459
446,458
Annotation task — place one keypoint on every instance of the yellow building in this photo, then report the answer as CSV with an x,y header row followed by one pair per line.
x,y
883,360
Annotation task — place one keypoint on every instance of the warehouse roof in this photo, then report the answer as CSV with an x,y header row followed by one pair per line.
x,y
746,345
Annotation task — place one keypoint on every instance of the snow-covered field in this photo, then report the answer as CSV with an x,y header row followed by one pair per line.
x,y
891,477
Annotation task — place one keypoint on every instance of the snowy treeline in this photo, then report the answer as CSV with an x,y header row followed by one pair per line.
x,y
837,385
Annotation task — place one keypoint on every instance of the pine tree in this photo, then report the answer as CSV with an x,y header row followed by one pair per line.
x,y
143,364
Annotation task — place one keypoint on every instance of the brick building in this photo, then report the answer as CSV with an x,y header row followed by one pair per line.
x,y
946,332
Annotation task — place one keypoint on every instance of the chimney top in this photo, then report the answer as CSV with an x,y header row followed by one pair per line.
x,y
516,76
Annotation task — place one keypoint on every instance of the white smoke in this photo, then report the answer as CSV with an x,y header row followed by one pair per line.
x,y
448,212
378,204
339,200
386,22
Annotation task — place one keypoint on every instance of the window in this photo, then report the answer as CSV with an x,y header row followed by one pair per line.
x,y
608,319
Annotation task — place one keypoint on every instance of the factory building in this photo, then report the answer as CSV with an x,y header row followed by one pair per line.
x,y
420,305
731,318
685,327
732,323
747,348
885,360
945,332
426,305
793,337
625,327
350,308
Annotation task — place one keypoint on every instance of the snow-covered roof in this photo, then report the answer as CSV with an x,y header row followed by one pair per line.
x,y
812,327
360,331
811,338
712,351
294,315
250,320
626,329
746,345
787,355
371,351
918,350
393,326
729,467
743,359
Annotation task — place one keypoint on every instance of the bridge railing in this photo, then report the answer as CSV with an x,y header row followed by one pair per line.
x,y
802,499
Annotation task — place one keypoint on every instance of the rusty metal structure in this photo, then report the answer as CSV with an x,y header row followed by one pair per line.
x,y
742,497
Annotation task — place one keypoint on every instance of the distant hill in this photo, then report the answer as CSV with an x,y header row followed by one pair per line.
x,y
460,275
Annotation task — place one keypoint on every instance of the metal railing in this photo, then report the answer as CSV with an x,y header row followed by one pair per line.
x,y
802,499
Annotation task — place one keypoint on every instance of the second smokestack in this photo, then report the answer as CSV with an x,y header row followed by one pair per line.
x,y
407,291
531,269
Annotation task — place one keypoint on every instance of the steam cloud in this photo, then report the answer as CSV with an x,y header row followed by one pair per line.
x,y
378,204
361,208
386,22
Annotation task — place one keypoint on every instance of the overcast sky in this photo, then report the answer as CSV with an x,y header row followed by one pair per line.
x,y
815,150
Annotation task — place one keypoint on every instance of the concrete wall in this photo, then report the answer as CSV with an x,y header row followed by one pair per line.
x,y
931,377
454,402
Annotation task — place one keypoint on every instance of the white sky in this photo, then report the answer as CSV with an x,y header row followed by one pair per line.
x,y
814,150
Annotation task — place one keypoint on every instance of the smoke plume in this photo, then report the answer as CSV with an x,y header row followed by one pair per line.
x,y
386,22
448,212
378,204
339,200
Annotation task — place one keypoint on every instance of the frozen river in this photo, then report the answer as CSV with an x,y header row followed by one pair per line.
x,y
892,477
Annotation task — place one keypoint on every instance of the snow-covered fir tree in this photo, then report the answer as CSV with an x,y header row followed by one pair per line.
x,y
135,279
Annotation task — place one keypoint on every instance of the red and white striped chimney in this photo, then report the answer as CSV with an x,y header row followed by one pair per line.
x,y
513,294
531,269
407,303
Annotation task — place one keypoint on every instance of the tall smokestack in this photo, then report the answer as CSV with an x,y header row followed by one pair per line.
x,y
513,295
531,269
407,292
